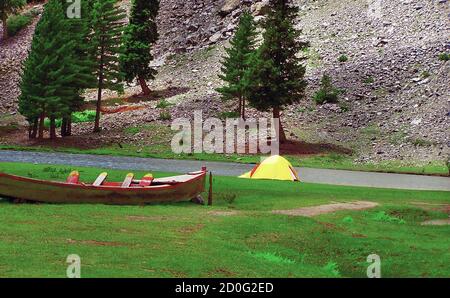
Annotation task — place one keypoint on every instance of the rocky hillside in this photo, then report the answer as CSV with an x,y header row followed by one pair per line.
x,y
396,99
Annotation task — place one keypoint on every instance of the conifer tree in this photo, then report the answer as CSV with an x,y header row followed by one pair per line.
x,y
79,30
276,75
49,70
140,35
107,30
8,7
237,62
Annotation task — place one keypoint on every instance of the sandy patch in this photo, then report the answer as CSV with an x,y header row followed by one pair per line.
x,y
437,222
146,218
223,213
324,209
433,206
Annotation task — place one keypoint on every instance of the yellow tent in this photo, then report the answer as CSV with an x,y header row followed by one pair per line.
x,y
273,168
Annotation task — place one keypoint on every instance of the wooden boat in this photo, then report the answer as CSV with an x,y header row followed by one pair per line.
x,y
129,192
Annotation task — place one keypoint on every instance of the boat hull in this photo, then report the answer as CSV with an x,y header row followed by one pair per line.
x,y
56,192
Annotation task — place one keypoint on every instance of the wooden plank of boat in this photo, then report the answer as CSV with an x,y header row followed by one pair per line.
x,y
128,180
184,187
100,179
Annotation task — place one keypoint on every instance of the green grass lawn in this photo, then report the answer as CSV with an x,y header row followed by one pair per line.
x,y
187,240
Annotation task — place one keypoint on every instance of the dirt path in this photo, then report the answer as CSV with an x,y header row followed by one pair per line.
x,y
322,176
324,209
437,222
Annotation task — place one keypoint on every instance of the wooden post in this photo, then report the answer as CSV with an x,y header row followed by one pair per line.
x,y
210,195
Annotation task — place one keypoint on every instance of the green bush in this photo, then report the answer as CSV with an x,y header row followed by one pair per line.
x,y
16,23
58,123
444,57
332,268
348,219
226,115
327,92
77,117
162,104
343,58
32,12
272,257
85,116
369,80
344,107
384,217
425,74
165,115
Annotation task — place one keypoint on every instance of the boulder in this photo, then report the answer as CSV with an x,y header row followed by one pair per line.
x,y
229,6
261,8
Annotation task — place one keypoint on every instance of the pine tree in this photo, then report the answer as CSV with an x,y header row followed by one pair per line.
x,y
140,35
49,70
276,75
8,7
107,30
237,62
80,29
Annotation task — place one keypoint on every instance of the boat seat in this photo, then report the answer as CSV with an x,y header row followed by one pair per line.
x,y
73,178
101,178
146,181
128,180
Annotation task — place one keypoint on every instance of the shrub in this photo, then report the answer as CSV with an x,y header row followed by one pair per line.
x,y
58,123
165,115
16,23
422,142
348,219
344,107
369,80
272,257
162,104
77,117
84,116
32,12
384,217
343,58
444,57
425,74
226,115
332,268
327,92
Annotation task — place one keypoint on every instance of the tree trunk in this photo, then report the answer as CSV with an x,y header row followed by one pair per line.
x,y
243,108
144,86
64,127
281,135
33,129
99,106
5,29
69,126
99,95
240,106
52,128
41,125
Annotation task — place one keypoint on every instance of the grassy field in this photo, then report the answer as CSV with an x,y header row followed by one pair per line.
x,y
324,161
238,237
